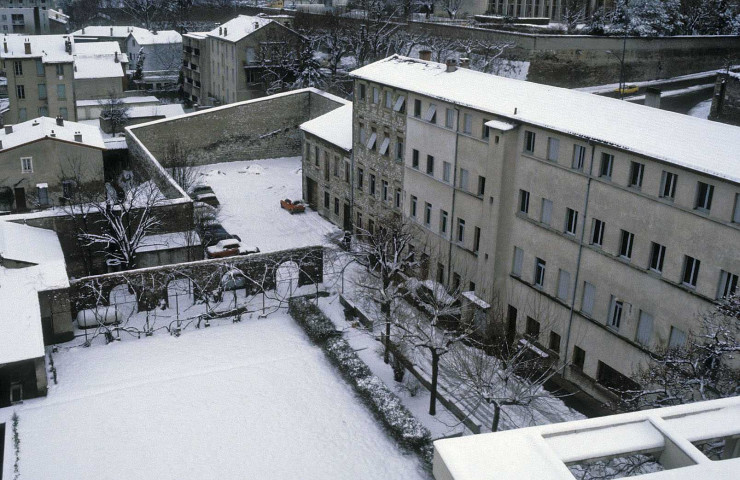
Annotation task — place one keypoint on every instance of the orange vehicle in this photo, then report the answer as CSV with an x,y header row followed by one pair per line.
x,y
293,206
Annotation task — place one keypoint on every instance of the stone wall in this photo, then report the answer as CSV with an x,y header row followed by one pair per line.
x,y
726,99
262,128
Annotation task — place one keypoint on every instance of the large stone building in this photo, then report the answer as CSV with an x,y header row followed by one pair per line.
x,y
226,65
606,227
41,160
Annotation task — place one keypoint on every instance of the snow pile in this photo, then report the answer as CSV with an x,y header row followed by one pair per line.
x,y
212,173
252,169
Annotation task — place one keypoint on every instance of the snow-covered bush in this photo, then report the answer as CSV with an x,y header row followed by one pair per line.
x,y
387,407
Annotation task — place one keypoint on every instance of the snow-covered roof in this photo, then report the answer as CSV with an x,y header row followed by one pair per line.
x,y
107,31
196,35
334,127
499,125
97,48
99,66
58,16
21,337
146,100
163,110
700,145
116,143
239,27
49,48
160,37
45,127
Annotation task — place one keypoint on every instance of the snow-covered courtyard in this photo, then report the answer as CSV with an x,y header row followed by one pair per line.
x,y
248,400
250,193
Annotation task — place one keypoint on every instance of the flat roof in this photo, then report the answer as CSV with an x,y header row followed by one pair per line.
x,y
701,145
49,48
158,37
127,100
45,127
111,31
334,127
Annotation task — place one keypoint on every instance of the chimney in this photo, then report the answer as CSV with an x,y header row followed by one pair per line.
x,y
451,65
53,134
78,137
27,46
1,144
83,30
111,31
60,121
5,45
68,45
226,32
220,31
652,97
425,55
256,25
115,59
464,63
8,129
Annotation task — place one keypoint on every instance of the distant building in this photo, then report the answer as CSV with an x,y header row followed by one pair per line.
x,y
42,160
99,70
102,33
32,17
162,57
225,65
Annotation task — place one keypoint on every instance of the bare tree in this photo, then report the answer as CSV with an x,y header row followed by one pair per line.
x,y
147,12
182,167
452,7
115,112
574,12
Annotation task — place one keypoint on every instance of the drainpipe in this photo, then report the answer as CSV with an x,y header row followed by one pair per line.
x,y
454,195
580,255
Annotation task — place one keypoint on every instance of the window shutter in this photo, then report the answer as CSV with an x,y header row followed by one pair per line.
x,y
645,328
399,104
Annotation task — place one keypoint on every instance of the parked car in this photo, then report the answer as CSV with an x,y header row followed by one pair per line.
x,y
205,194
229,248
295,206
628,89
212,233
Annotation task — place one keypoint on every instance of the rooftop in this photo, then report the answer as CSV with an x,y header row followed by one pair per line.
x,y
158,37
148,100
162,110
50,48
21,337
106,31
334,127
693,143
239,27
45,127
99,60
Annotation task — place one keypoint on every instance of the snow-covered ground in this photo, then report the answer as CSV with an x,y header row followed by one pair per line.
x,y
701,109
250,193
248,400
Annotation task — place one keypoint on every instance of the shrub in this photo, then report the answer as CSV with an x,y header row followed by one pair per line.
x,y
314,322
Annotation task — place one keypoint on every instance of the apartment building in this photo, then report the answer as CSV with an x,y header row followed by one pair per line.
x,y
234,54
160,53
552,9
32,17
604,227
99,71
40,71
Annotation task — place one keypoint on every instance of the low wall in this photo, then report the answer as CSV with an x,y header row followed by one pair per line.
x,y
266,127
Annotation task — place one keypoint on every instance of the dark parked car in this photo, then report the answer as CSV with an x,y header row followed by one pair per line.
x,y
205,194
213,233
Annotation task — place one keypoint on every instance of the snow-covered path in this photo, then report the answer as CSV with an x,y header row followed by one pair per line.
x,y
248,400
250,194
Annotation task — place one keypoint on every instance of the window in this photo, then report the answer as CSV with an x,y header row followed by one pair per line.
x,y
43,111
450,118
430,165
372,184
27,165
412,210
398,198
327,201
376,95
431,114
571,221
644,328
476,240
384,150
62,91
533,328
529,141
460,230
690,271
326,166
736,213
579,157
63,113
554,344
615,312
42,194
553,149
481,185
347,171
336,166
427,214
727,284
467,123
415,159
589,297
677,338
316,156
523,201
443,222
563,284
539,272
359,221
637,170
417,108
625,245
704,193
516,268
546,211
22,115
371,225
399,149
486,133
668,185
471,287
385,191
388,99
455,286
464,177
360,178
579,357
16,392
363,93
60,69
446,171
607,164
39,68
373,138
597,232
440,273
42,91
363,134
20,91
657,255
18,68
399,105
